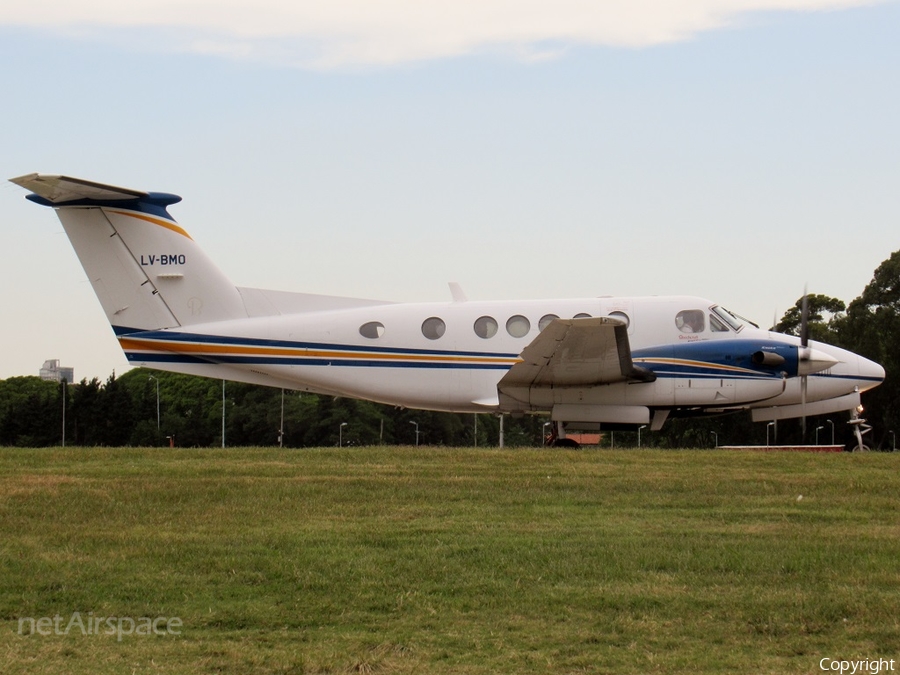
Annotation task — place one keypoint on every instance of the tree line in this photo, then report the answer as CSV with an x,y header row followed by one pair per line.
x,y
147,408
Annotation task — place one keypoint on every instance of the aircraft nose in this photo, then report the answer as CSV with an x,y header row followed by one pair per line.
x,y
870,372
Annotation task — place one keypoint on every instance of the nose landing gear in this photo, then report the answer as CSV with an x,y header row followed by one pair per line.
x,y
860,428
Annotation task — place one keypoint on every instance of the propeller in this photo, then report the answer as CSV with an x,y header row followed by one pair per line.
x,y
804,355
809,360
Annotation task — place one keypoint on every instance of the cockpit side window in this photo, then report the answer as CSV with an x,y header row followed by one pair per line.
x,y
728,317
690,321
716,325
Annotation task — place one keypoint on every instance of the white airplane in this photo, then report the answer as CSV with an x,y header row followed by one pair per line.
x,y
588,363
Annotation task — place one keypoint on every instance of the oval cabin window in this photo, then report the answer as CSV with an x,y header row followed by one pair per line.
x,y
518,326
433,328
621,316
372,330
545,321
485,327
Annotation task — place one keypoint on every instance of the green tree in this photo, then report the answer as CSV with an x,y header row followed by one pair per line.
x,y
141,386
117,414
30,412
84,417
871,328
824,315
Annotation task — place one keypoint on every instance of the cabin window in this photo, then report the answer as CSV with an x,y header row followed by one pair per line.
x,y
433,328
545,321
690,321
518,326
716,325
372,330
582,315
621,316
486,327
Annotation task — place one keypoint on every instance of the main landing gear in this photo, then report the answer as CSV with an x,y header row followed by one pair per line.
x,y
557,437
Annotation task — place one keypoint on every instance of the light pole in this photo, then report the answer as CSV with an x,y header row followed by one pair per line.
x,y
643,426
417,433
893,442
65,387
831,422
768,426
341,434
157,401
715,437
281,425
223,413
817,433
544,433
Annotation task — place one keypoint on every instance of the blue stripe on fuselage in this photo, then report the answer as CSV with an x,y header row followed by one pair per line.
x,y
287,344
717,358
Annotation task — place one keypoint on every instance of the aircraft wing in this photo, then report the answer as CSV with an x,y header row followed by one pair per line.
x,y
575,353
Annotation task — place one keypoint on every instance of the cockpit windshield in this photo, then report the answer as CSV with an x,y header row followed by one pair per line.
x,y
729,318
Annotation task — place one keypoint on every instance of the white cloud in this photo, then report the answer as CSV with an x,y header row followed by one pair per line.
x,y
353,33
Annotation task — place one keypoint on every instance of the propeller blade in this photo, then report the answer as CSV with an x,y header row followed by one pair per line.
x,y
804,319
803,407
804,354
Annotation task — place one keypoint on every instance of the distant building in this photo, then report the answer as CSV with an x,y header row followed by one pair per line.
x,y
53,372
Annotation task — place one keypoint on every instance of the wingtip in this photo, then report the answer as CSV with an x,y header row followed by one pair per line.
x,y
23,181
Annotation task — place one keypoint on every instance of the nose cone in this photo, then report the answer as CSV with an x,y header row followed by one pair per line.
x,y
870,373
814,361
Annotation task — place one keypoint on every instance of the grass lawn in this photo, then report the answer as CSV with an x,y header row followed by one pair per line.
x,y
403,560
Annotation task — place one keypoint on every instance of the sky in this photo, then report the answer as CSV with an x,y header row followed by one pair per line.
x,y
739,150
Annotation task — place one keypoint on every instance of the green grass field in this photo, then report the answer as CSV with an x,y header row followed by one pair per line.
x,y
387,560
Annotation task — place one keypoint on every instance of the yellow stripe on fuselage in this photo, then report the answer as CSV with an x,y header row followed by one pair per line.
x,y
694,364
168,224
249,350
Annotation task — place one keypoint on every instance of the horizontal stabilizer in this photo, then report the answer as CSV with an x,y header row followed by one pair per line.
x,y
63,189
54,190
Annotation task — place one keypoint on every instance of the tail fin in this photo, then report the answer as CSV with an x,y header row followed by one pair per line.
x,y
146,270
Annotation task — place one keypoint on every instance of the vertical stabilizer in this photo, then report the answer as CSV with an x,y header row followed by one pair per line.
x,y
147,272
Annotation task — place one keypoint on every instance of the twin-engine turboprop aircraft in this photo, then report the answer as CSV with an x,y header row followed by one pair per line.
x,y
587,363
